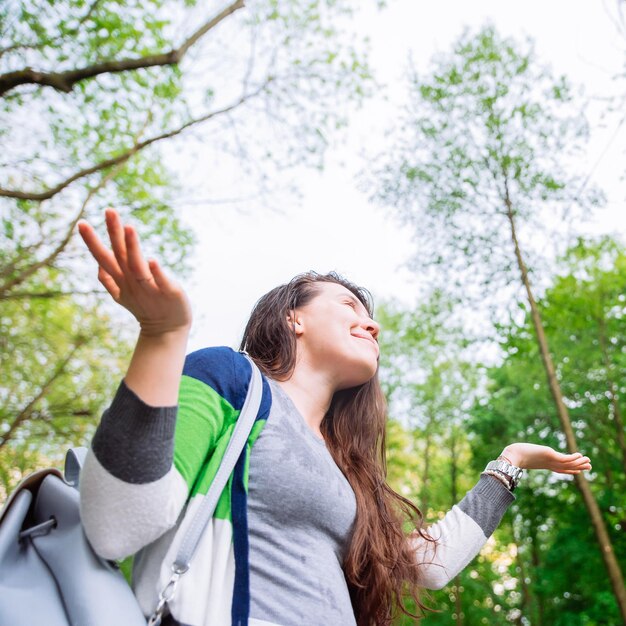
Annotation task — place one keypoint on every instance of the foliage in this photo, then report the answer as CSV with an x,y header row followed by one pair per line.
x,y
484,170
430,388
52,394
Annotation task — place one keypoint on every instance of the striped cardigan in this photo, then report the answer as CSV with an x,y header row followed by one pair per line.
x,y
149,468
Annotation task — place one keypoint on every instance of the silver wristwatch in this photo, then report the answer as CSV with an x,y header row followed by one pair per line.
x,y
504,467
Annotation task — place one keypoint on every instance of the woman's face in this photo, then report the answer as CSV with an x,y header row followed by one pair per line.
x,y
337,336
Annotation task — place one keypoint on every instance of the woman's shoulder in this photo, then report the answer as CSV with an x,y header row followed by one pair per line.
x,y
221,358
223,369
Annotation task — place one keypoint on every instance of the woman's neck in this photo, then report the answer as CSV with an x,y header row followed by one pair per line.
x,y
311,391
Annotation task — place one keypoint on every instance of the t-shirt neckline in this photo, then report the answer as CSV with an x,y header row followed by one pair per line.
x,y
275,385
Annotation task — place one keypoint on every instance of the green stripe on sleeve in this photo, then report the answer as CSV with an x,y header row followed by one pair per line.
x,y
203,415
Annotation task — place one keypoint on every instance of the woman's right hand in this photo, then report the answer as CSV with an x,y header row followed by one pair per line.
x,y
159,304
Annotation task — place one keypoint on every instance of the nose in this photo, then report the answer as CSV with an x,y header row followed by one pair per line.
x,y
372,327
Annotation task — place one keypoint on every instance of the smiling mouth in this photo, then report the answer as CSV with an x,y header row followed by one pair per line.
x,y
369,339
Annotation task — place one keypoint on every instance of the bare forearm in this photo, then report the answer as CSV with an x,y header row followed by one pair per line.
x,y
156,367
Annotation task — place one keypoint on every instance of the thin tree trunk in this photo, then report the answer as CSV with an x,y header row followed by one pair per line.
x,y
458,606
426,477
525,603
534,552
604,541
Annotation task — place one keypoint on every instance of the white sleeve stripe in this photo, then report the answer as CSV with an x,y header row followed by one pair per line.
x,y
120,518
458,539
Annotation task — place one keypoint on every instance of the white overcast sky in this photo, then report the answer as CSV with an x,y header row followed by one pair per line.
x,y
335,227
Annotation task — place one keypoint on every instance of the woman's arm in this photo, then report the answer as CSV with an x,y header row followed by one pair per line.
x,y
130,491
461,534
158,304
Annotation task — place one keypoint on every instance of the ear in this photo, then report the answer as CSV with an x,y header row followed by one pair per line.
x,y
294,319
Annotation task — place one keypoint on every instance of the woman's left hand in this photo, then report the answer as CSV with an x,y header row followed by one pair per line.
x,y
533,456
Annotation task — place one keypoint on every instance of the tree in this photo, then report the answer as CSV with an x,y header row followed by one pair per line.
x,y
113,80
96,98
556,552
426,385
483,169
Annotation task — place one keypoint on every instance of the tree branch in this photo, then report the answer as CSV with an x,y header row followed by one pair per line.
x,y
124,156
65,81
117,161
26,295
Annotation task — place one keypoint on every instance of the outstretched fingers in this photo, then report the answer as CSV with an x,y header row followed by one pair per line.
x,y
160,278
109,284
117,237
157,303
572,463
103,256
137,265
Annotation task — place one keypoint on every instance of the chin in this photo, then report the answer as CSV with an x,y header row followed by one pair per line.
x,y
360,375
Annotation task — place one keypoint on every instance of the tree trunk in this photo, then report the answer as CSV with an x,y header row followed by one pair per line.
x,y
535,563
458,606
426,476
525,602
604,541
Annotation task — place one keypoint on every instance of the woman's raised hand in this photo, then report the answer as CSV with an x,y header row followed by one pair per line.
x,y
533,456
159,304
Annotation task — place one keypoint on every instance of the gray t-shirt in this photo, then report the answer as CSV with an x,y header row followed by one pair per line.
x,y
301,511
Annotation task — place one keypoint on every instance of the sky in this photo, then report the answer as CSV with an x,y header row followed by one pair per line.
x,y
240,256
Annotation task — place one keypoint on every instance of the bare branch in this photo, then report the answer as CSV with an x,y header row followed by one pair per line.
x,y
65,81
118,162
27,295
124,156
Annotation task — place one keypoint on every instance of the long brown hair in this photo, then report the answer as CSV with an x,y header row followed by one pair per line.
x,y
380,567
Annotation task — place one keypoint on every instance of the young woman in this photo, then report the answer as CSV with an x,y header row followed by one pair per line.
x,y
307,531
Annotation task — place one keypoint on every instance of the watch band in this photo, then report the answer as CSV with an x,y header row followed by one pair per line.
x,y
504,467
500,477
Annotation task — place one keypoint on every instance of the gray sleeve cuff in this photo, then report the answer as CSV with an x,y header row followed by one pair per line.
x,y
134,441
486,503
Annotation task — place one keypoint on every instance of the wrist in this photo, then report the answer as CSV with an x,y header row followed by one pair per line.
x,y
153,334
513,456
502,468
500,477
